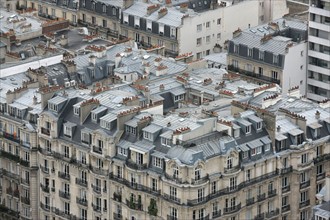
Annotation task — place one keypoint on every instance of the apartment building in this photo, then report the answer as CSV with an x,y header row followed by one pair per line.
x,y
275,52
170,27
321,211
318,76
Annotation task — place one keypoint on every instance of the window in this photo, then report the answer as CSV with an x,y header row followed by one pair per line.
x,y
318,151
285,201
215,209
93,5
200,194
319,169
160,42
85,137
304,158
247,129
53,12
259,125
207,24
303,177
93,20
122,151
208,39
274,74
219,36
304,196
197,173
130,130
147,135
236,48
245,154
199,41
304,215
104,23
229,163
154,183
218,21
66,151
104,9
175,172
165,141
261,55
275,59
235,63
158,162
139,158
247,175
67,131
64,15
173,192
199,56
74,19
213,187
207,52
83,214
232,183
267,147
250,52
114,11
199,27
258,150
173,212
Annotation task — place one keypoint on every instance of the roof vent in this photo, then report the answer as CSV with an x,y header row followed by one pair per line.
x,y
278,129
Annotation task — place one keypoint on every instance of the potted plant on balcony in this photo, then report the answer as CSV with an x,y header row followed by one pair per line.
x,y
131,202
152,209
139,203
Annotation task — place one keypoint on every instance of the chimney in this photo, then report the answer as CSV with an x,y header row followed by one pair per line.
x,y
92,60
162,12
278,129
147,94
117,60
317,115
86,107
35,100
127,3
169,124
147,68
161,87
64,40
237,115
183,7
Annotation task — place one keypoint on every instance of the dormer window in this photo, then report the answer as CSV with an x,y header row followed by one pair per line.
x,y
259,126
130,130
104,9
122,151
94,117
229,162
106,125
247,129
67,131
261,55
259,150
83,3
175,172
93,5
267,147
245,154
236,133
165,141
253,152
304,158
147,135
76,110
52,107
198,173
157,162
236,48
85,138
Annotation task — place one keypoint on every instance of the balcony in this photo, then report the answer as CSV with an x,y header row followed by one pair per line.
x,y
81,182
117,216
172,198
99,171
286,189
250,201
136,166
96,208
271,193
44,207
25,181
260,216
117,197
272,213
134,205
9,212
253,75
16,193
261,197
63,194
285,208
207,217
44,188
174,179
305,184
25,200
44,169
11,175
233,209
25,163
171,53
286,170
81,201
96,189
64,175
304,204
200,180
97,149
216,214
321,158
192,202
134,186
45,131
11,137
9,156
9,191
232,169
170,217
320,176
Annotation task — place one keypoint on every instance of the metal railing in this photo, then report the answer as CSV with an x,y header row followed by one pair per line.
x,y
81,182
305,184
232,209
63,175
81,201
63,194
